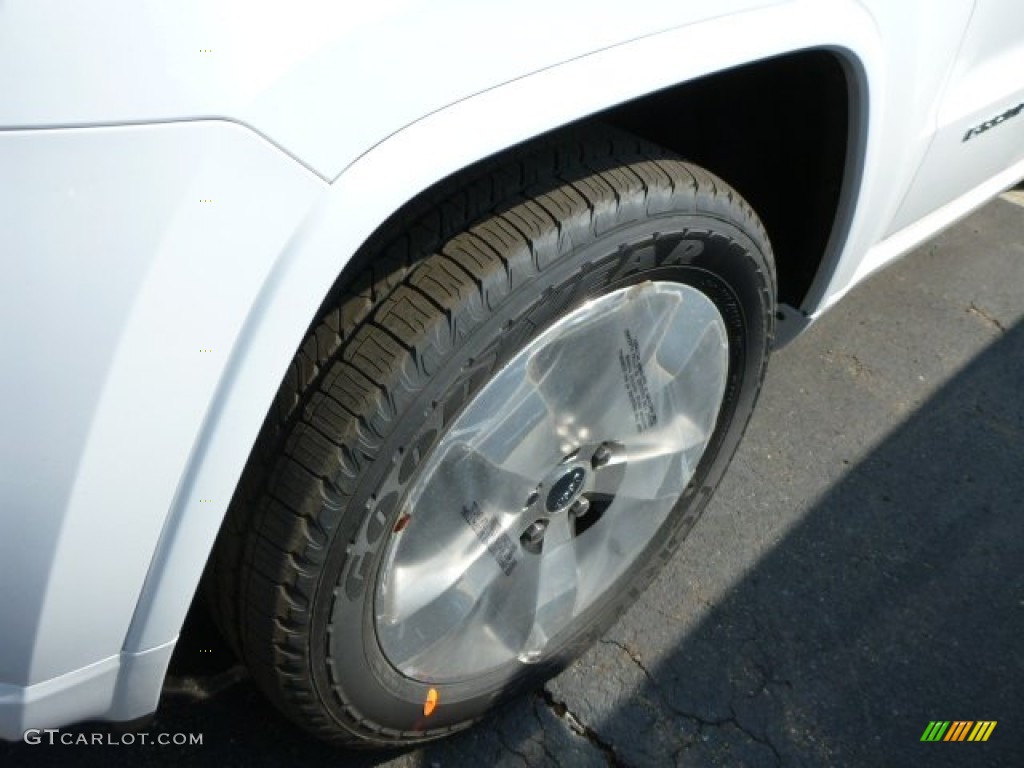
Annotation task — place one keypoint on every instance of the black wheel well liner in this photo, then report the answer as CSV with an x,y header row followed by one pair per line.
x,y
776,130
782,131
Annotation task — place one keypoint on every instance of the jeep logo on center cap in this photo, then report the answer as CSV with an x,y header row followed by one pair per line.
x,y
565,489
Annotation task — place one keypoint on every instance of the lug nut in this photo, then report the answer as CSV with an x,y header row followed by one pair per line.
x,y
580,507
533,537
601,456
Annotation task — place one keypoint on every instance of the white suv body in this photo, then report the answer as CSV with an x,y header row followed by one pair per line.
x,y
184,182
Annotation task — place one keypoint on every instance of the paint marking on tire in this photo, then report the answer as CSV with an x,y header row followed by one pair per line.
x,y
430,703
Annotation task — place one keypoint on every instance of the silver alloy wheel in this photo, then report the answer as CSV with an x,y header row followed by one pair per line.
x,y
551,483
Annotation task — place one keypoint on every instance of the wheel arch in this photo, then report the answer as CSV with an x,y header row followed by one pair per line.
x,y
360,206
809,104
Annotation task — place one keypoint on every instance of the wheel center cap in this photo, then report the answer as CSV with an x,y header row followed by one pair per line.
x,y
565,489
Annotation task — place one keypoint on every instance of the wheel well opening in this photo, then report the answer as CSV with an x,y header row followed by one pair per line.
x,y
777,131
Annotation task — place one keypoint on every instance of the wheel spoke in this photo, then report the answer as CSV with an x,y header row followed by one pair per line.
x,y
557,582
512,425
613,544
423,635
465,485
588,396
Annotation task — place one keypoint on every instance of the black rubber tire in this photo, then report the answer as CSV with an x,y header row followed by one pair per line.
x,y
435,311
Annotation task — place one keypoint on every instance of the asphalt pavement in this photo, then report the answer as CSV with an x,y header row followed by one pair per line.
x,y
859,574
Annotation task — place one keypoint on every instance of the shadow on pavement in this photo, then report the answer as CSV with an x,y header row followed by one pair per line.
x,y
897,600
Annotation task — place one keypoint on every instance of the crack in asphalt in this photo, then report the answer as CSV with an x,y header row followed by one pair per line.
x,y
986,316
634,657
768,677
765,741
543,742
704,723
562,711
503,741
766,669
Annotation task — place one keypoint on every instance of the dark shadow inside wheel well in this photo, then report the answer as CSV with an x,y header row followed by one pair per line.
x,y
777,131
